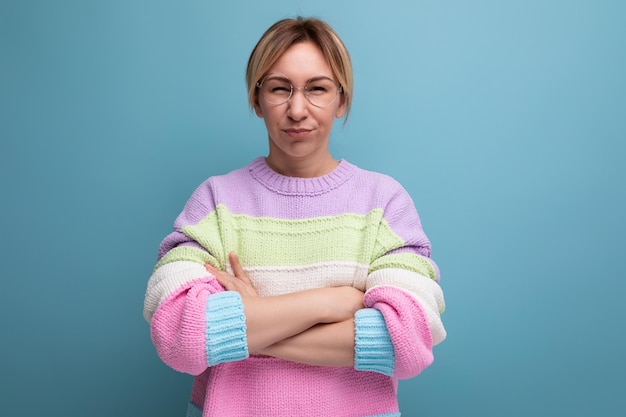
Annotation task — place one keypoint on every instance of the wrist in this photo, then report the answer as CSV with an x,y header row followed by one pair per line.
x,y
326,311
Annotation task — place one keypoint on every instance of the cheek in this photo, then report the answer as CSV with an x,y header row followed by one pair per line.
x,y
330,115
268,113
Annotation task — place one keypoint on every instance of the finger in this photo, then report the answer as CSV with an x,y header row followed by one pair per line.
x,y
211,269
235,264
223,278
237,268
224,281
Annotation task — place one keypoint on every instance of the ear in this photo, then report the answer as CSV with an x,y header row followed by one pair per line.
x,y
341,110
257,107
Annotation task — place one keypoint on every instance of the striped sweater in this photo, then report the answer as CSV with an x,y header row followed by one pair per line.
x,y
349,227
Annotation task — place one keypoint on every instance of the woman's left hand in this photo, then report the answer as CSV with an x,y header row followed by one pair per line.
x,y
238,282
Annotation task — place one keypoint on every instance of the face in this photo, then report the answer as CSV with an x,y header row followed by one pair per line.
x,y
298,131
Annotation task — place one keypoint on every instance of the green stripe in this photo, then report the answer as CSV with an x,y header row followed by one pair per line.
x,y
266,241
410,261
187,253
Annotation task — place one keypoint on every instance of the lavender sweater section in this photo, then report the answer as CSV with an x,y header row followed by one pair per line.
x,y
358,191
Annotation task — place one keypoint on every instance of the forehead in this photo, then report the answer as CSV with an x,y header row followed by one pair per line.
x,y
301,62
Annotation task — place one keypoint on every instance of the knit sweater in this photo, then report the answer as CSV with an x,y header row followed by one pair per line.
x,y
349,227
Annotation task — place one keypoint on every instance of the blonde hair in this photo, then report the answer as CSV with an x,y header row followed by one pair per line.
x,y
287,32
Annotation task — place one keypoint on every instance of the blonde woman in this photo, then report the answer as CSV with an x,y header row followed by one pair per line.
x,y
299,285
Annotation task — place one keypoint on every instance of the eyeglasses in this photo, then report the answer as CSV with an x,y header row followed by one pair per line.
x,y
277,89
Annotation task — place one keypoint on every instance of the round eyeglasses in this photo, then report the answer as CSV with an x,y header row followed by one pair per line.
x,y
277,89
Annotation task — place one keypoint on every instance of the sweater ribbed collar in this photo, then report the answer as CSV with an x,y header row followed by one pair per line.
x,y
285,185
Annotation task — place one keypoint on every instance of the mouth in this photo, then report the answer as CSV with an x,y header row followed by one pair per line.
x,y
297,133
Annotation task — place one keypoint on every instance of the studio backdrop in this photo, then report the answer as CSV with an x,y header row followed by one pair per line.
x,y
503,119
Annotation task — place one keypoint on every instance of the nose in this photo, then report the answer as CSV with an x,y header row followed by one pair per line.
x,y
298,104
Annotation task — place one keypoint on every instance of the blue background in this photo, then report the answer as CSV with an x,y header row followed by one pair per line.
x,y
505,120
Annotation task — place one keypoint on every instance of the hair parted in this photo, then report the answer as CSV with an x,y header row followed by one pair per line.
x,y
287,32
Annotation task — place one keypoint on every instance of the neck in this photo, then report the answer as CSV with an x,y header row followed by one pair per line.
x,y
305,168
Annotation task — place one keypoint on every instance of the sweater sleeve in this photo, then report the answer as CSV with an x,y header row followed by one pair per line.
x,y
194,323
403,291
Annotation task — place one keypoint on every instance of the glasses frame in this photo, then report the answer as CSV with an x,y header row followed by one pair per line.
x,y
304,89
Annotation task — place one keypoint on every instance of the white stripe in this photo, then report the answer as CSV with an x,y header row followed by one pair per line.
x,y
167,279
270,281
267,280
274,280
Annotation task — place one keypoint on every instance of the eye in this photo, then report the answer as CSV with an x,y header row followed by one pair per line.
x,y
317,89
321,87
277,86
279,89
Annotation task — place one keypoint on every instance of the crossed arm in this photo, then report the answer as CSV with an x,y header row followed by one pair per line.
x,y
314,327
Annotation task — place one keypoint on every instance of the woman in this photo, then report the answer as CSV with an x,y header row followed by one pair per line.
x,y
298,285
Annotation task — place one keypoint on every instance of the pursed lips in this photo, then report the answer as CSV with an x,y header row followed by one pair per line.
x,y
297,133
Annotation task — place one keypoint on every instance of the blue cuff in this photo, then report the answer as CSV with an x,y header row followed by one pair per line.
x,y
373,350
226,339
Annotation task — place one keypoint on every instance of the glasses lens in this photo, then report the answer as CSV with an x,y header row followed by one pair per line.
x,y
276,90
321,91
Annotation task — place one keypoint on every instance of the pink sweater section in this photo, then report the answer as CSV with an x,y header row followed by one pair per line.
x,y
265,386
178,327
408,328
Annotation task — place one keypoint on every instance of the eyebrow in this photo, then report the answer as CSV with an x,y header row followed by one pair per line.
x,y
285,78
320,77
